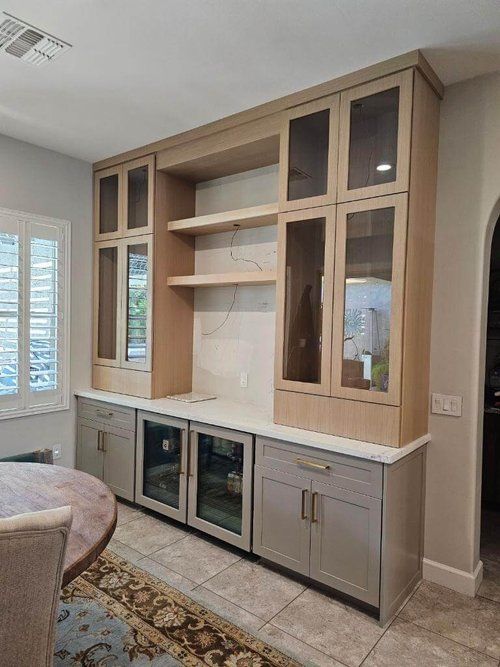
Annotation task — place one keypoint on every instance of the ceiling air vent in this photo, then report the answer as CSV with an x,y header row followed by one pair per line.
x,y
22,40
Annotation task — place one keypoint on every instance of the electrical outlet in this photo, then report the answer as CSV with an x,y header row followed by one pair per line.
x,y
442,404
243,379
56,451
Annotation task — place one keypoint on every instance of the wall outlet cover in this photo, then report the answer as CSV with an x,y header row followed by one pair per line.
x,y
243,379
57,451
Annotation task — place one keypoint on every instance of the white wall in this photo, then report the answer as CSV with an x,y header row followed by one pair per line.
x,y
37,180
245,343
467,206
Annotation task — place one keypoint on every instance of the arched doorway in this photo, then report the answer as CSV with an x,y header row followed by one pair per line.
x,y
490,493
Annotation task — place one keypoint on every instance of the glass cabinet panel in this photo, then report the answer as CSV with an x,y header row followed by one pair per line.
x,y
304,297
137,300
162,463
137,199
219,499
308,155
368,295
373,139
108,298
108,204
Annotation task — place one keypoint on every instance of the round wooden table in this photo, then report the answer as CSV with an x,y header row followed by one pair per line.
x,y
30,487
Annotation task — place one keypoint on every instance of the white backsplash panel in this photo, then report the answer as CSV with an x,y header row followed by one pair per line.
x,y
243,342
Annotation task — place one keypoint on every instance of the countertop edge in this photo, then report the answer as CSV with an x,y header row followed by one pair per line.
x,y
259,422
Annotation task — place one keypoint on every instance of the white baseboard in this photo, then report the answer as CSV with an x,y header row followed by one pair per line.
x,y
458,580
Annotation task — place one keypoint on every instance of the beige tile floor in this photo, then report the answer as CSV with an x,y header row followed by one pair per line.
x,y
436,628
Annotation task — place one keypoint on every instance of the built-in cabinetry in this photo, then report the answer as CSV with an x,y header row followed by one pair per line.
x,y
355,277
106,445
355,212
198,474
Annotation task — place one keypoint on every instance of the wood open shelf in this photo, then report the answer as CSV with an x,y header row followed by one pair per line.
x,y
245,218
224,279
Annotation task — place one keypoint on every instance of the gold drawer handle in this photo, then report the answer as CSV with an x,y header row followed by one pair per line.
x,y
104,413
314,507
312,464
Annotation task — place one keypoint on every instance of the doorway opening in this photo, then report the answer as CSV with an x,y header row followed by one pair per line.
x,y
490,495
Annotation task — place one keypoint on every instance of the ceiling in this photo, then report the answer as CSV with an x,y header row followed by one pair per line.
x,y
143,70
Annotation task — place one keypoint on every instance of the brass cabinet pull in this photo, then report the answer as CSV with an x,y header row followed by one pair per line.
x,y
303,511
312,464
104,438
314,507
99,439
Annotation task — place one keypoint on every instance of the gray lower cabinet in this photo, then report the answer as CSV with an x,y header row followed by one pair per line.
x,y
281,521
107,450
345,541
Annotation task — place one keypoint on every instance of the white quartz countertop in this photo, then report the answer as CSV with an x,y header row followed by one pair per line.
x,y
253,419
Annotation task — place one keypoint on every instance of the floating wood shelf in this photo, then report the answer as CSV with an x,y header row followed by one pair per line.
x,y
224,279
246,218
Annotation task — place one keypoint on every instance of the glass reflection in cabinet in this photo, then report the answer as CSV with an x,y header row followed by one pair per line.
x,y
137,204
220,482
308,155
137,302
304,291
367,299
373,139
108,204
162,463
108,302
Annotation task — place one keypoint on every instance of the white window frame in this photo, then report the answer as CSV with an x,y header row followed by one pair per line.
x,y
26,402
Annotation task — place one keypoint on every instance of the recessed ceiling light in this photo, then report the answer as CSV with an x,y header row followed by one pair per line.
x,y
384,166
25,42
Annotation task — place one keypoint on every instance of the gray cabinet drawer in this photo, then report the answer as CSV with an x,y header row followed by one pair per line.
x,y
347,472
107,413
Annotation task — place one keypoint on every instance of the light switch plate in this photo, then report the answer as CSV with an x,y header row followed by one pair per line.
x,y
443,404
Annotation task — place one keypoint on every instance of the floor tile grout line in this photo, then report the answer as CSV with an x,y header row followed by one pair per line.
x,y
173,572
378,640
289,634
264,622
221,571
454,641
287,605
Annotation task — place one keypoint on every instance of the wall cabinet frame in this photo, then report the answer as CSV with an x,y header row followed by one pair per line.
x,y
403,81
397,280
325,171
288,317
115,190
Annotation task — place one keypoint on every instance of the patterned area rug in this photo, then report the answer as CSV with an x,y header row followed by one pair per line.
x,y
117,614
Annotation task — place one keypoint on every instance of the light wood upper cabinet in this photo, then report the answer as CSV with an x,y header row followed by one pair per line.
x,y
137,272
123,303
304,300
368,299
308,155
124,199
108,286
375,138
138,196
108,208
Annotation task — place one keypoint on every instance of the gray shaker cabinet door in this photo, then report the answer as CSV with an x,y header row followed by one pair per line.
x,y
345,541
281,518
89,457
119,462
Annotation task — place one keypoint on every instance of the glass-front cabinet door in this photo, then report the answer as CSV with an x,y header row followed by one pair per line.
x,y
304,300
138,196
137,302
369,299
162,449
308,155
375,129
220,483
108,198
107,302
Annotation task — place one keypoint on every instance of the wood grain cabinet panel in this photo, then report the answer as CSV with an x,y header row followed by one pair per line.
x,y
308,155
281,518
375,138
